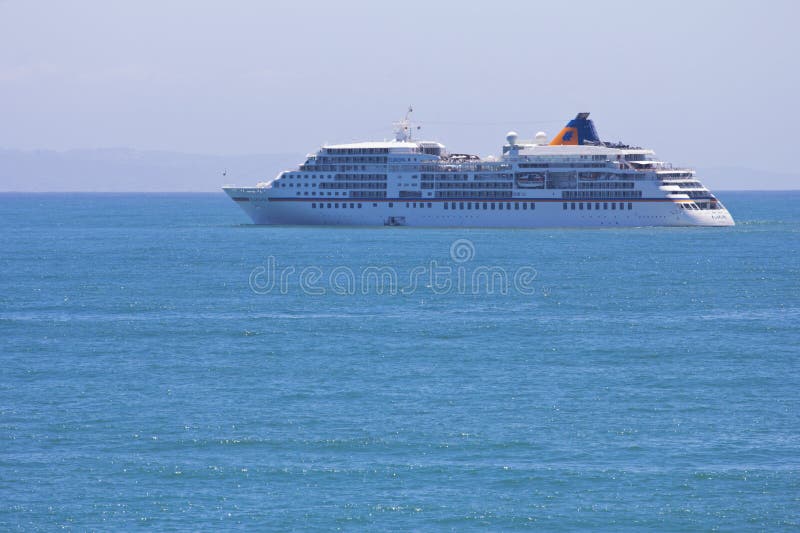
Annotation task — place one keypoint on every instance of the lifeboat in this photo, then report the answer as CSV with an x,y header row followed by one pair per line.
x,y
531,181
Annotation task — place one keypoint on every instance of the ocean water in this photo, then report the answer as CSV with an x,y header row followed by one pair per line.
x,y
165,364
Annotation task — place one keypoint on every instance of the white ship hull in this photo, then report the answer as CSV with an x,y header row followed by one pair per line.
x,y
546,213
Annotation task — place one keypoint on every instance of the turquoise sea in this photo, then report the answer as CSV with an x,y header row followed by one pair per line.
x,y
165,364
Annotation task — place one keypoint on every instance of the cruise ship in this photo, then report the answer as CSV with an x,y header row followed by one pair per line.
x,y
571,180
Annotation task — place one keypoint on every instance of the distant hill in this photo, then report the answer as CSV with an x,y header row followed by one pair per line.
x,y
122,170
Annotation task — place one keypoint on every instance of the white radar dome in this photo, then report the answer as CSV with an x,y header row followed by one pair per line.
x,y
512,137
541,138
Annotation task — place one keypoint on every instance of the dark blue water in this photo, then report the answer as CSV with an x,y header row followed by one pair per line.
x,y
636,378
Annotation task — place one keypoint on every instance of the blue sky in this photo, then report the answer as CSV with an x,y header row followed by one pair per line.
x,y
704,83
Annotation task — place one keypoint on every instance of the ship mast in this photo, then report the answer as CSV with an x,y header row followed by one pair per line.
x,y
403,128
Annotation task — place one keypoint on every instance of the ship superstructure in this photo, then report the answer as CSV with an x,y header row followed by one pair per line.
x,y
575,179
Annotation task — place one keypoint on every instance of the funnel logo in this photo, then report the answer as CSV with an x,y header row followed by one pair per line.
x,y
577,131
569,135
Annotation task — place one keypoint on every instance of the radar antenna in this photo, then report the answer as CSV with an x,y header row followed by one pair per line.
x,y
403,128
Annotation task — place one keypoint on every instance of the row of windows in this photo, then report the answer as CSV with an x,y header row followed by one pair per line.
x,y
323,160
607,185
713,204
686,184
472,185
336,206
465,167
355,151
353,193
598,176
490,205
473,194
562,165
353,205
596,205
673,175
351,185
697,194
360,177
590,195
331,168
447,205
368,194
495,205
465,177
444,177
494,176
337,177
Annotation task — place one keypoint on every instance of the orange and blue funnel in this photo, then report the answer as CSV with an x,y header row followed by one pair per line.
x,y
579,130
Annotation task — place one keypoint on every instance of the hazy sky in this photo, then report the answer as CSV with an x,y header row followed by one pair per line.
x,y
704,83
